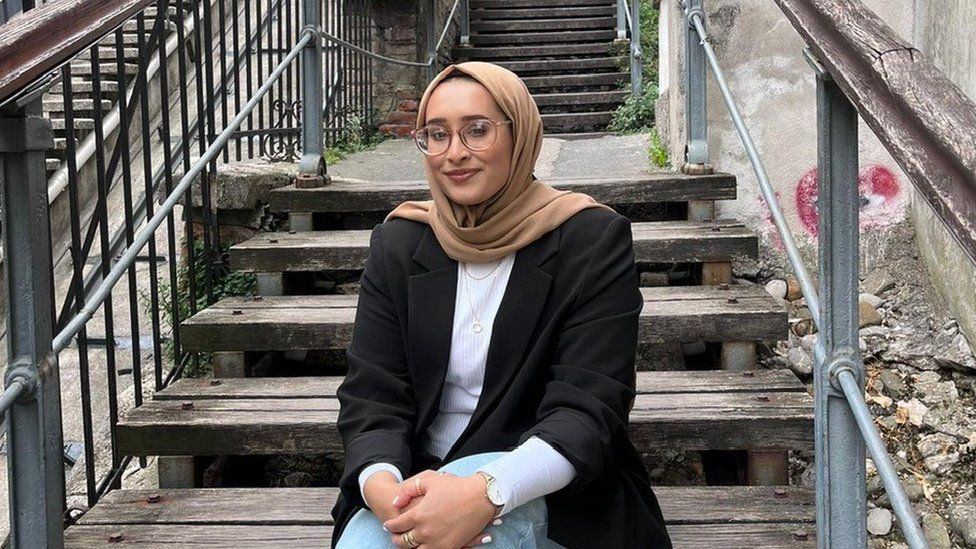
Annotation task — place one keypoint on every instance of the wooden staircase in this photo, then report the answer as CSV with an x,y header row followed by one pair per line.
x,y
731,407
565,51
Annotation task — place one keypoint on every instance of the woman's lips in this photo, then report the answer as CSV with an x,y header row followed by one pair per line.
x,y
458,176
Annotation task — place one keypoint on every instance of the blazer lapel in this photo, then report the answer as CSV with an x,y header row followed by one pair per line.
x,y
523,301
431,318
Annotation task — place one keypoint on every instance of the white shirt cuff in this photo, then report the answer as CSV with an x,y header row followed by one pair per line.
x,y
532,470
376,468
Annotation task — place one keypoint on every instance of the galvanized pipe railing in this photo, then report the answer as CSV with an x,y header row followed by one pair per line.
x,y
628,20
843,422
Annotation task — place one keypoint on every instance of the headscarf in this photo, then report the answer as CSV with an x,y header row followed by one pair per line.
x,y
523,209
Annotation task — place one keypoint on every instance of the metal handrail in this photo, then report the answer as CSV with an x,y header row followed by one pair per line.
x,y
843,371
104,290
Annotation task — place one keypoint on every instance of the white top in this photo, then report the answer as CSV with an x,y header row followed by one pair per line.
x,y
533,469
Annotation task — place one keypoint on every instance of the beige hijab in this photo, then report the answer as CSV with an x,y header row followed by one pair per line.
x,y
523,209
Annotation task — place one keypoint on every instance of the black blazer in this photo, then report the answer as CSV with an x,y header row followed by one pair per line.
x,y
560,366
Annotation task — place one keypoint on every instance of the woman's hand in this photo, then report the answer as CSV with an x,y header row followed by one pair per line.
x,y
452,513
380,490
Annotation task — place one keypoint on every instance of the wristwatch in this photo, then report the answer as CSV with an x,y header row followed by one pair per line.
x,y
493,492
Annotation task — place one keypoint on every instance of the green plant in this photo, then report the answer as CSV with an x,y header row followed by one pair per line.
x,y
656,152
225,283
357,134
636,114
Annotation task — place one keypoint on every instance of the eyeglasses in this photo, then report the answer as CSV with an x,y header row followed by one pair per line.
x,y
477,135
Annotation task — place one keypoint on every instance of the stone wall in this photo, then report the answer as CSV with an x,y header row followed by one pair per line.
x,y
400,32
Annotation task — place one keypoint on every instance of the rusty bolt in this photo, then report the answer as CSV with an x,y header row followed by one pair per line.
x,y
733,300
187,405
214,382
762,398
779,492
273,240
115,537
154,498
800,535
236,312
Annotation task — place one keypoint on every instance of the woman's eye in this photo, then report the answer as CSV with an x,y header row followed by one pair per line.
x,y
477,130
438,135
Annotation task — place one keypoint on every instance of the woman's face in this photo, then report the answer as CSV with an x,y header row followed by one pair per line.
x,y
469,177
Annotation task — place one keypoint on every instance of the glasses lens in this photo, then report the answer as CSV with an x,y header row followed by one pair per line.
x,y
433,139
479,135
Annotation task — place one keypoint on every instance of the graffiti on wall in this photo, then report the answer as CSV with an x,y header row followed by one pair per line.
x,y
882,200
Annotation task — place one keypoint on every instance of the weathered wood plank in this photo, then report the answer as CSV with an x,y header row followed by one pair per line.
x,y
48,35
705,381
654,242
205,536
743,536
310,506
922,118
754,420
672,313
352,195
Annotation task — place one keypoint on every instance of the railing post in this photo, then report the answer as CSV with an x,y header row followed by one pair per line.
x,y
622,19
696,122
430,36
311,166
840,484
636,55
465,39
34,439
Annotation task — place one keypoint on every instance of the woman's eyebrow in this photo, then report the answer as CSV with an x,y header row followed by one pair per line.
x,y
468,117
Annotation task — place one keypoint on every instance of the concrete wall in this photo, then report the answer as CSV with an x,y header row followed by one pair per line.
x,y
774,87
943,32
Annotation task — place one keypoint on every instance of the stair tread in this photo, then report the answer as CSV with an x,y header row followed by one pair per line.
x,y
680,505
563,65
531,51
346,195
676,313
544,37
708,517
654,242
752,419
506,4
530,13
542,24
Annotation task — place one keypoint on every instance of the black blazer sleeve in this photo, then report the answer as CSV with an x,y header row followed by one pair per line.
x,y
377,406
584,411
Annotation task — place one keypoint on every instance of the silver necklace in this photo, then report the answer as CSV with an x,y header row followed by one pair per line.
x,y
476,327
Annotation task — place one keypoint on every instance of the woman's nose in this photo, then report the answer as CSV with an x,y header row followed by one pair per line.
x,y
456,151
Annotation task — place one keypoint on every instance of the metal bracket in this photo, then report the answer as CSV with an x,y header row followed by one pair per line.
x,y
311,172
843,361
690,13
816,65
21,372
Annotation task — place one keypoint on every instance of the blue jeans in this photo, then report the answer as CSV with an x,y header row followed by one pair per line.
x,y
523,528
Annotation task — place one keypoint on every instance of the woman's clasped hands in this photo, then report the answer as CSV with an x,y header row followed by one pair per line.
x,y
432,510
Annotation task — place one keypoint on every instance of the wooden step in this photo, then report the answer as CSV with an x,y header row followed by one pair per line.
x,y
563,66
539,13
518,4
347,196
542,25
671,313
708,517
528,38
580,99
654,242
576,121
752,415
530,52
576,81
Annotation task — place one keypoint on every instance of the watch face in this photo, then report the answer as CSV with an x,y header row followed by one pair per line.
x,y
495,494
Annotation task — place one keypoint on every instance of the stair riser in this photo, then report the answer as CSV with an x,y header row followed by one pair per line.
x,y
528,39
542,25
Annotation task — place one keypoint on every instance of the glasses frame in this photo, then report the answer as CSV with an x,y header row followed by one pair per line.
x,y
450,133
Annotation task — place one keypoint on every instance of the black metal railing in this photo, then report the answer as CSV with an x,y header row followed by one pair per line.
x,y
153,99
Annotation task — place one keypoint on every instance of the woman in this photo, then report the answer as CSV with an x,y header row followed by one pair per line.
x,y
492,360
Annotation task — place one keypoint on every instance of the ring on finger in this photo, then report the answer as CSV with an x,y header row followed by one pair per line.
x,y
408,539
416,483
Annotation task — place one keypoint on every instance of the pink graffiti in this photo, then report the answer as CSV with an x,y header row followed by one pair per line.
x,y
881,198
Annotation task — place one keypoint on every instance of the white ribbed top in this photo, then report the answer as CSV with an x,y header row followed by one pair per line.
x,y
535,468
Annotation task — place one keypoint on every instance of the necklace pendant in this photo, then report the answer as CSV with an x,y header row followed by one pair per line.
x,y
476,328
